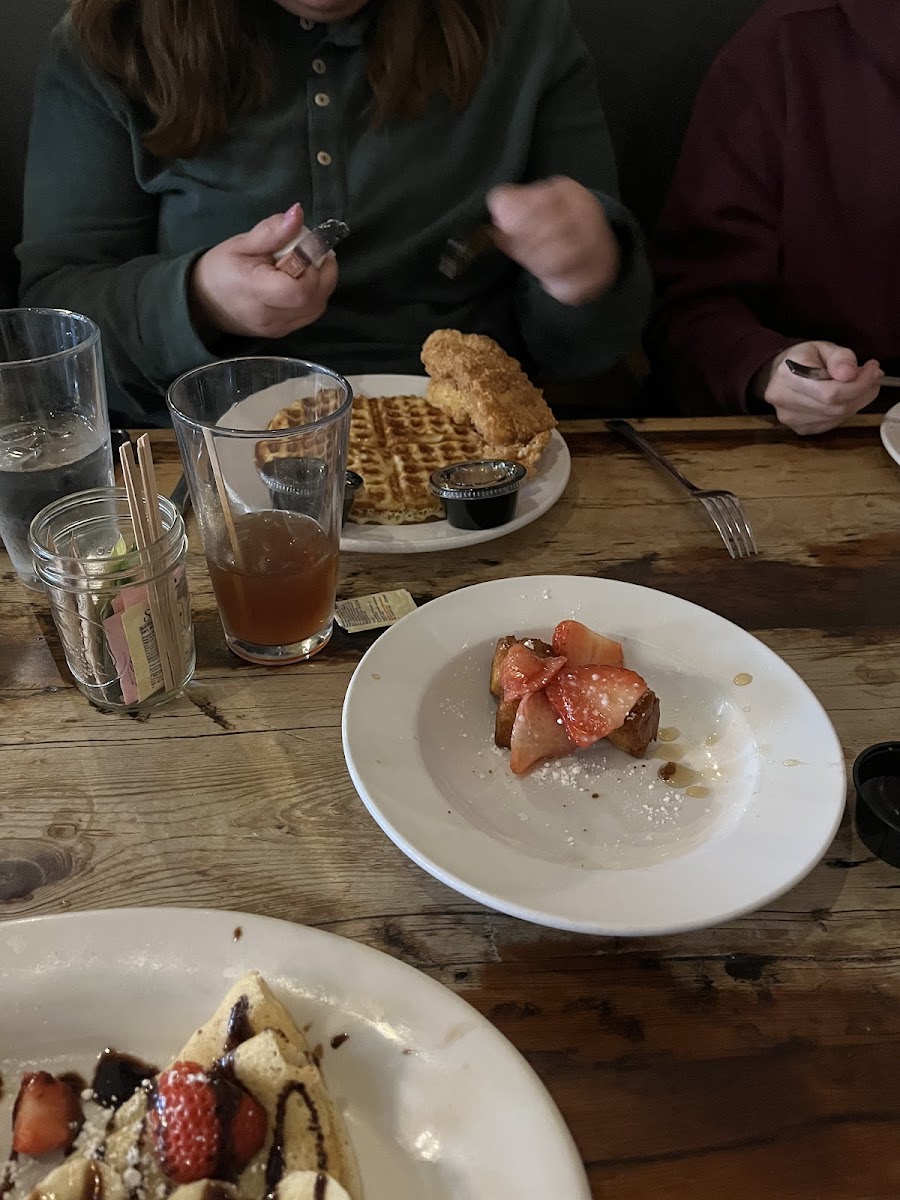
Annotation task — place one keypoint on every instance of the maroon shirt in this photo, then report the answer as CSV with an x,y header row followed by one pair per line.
x,y
783,222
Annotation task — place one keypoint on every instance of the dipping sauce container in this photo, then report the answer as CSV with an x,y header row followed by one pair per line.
x,y
479,495
876,777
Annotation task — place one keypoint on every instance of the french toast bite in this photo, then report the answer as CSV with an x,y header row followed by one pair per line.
x,y
553,699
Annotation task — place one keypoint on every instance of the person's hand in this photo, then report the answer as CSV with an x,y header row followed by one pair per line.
x,y
814,406
235,287
558,231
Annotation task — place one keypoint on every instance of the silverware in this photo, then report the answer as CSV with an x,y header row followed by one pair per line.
x,y
462,251
724,508
820,374
181,497
118,438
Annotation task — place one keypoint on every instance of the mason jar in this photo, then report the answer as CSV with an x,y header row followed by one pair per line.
x,y
123,614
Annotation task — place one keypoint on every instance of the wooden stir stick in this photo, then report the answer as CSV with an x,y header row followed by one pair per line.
x,y
170,606
144,540
224,502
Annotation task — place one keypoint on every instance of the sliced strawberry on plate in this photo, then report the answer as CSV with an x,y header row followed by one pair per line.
x,y
593,701
184,1123
248,1130
582,647
523,671
47,1115
537,735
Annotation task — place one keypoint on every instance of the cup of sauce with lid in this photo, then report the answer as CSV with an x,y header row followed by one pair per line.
x,y
479,495
876,778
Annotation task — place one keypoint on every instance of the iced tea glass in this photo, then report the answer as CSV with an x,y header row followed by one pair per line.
x,y
268,501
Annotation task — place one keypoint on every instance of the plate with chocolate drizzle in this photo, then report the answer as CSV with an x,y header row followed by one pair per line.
x,y
151,1054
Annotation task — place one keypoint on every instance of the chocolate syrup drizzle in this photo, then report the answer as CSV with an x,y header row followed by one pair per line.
x,y
275,1162
321,1185
238,1029
118,1076
94,1190
6,1177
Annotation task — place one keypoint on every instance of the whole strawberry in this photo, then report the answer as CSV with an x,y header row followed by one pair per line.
x,y
203,1125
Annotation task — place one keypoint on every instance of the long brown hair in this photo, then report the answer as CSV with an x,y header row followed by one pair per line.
x,y
194,65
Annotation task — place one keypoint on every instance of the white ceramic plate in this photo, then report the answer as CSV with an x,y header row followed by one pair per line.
x,y
890,432
439,1105
538,495
597,843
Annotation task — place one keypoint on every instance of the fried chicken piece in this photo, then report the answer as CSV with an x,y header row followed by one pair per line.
x,y
473,379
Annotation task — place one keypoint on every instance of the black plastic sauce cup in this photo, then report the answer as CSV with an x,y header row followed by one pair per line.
x,y
876,777
479,495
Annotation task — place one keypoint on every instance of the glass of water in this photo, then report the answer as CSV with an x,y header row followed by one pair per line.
x,y
54,425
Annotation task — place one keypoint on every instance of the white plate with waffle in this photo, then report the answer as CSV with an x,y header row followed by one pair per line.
x,y
735,804
890,432
544,486
437,1103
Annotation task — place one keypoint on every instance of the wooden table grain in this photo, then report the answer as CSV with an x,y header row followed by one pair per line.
x,y
759,1059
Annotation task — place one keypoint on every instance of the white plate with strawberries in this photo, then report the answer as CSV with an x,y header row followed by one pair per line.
x,y
598,811
437,1104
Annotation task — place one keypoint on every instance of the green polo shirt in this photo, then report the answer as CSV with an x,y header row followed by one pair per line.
x,y
112,231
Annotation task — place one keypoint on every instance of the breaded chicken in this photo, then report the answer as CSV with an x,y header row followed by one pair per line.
x,y
473,379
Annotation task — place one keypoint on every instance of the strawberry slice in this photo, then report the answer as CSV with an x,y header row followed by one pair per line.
x,y
582,647
523,672
594,700
537,735
248,1130
47,1115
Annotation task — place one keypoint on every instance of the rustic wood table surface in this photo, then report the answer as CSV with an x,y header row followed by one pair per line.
x,y
761,1059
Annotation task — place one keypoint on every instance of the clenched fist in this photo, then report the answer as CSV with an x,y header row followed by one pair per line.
x,y
558,231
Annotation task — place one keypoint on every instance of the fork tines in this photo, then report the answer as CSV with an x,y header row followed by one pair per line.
x,y
728,516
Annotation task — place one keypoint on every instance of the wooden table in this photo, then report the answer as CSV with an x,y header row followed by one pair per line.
x,y
761,1059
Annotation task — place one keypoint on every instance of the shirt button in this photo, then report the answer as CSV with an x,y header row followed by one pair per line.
x,y
318,65
306,23
322,99
323,158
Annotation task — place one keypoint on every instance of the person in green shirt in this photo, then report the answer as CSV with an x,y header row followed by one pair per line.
x,y
177,146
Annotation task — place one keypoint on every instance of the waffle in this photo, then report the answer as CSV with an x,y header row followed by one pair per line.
x,y
396,443
296,414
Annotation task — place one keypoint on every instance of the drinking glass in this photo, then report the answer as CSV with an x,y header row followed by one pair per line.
x,y
268,501
54,425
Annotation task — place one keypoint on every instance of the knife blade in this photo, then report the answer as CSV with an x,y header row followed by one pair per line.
x,y
180,496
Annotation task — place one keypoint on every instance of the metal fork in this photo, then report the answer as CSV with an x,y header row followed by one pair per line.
x,y
820,374
724,508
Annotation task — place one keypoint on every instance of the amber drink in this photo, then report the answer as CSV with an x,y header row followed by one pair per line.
x,y
264,444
